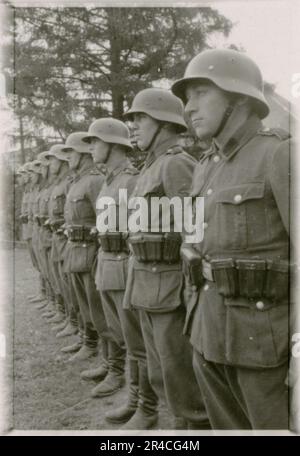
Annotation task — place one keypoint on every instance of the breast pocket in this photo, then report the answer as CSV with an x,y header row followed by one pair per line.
x,y
241,216
82,207
59,204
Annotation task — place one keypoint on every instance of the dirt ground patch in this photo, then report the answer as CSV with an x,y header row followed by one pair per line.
x,y
48,393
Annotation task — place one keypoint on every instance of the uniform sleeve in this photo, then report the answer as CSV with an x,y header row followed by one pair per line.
x,y
177,175
94,187
280,180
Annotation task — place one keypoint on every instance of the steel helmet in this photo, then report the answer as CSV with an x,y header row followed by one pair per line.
x,y
230,70
74,143
20,170
35,166
109,130
160,104
57,150
43,157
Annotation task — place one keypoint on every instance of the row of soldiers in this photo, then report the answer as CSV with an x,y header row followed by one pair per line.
x,y
203,326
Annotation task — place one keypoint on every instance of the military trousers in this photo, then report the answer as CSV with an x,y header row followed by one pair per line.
x,y
124,325
169,357
89,304
243,398
32,254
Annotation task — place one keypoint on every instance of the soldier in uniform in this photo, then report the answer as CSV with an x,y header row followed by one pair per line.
x,y
155,280
39,171
24,204
53,177
69,325
35,176
238,317
41,237
110,143
66,313
82,247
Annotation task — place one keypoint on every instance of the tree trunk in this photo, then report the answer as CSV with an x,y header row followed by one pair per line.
x,y
21,129
114,18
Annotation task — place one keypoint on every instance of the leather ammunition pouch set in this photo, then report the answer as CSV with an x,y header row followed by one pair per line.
x,y
24,218
156,247
251,279
113,241
80,233
40,220
56,226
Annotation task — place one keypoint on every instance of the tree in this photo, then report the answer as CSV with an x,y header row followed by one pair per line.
x,y
72,65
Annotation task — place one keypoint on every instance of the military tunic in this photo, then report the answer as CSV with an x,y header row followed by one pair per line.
x,y
45,237
59,241
79,210
156,290
242,342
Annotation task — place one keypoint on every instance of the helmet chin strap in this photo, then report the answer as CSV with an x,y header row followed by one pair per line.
x,y
159,128
226,115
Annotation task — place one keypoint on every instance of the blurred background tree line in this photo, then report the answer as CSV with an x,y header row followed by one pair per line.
x,y
65,67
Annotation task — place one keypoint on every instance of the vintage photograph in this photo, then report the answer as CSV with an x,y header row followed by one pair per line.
x,y
149,217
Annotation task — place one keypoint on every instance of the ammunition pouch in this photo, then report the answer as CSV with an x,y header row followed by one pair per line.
x,y
46,224
113,241
56,226
80,233
152,247
192,265
250,279
24,218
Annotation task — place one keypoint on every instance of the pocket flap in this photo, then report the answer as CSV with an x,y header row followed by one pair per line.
x,y
240,193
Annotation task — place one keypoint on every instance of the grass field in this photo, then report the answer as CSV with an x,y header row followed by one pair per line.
x,y
48,393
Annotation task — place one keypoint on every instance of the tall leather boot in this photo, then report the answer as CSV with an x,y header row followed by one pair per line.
x,y
100,372
146,414
126,411
89,347
60,312
75,347
41,295
114,379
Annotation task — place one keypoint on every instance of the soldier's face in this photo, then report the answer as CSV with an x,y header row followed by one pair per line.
x,y
20,180
99,150
54,166
45,171
74,159
35,178
144,128
206,106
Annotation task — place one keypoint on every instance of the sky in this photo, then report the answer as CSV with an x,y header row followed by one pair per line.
x,y
268,30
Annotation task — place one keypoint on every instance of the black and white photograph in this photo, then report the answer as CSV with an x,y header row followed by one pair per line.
x,y
149,218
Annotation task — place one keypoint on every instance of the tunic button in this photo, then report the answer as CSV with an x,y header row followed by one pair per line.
x,y
154,269
83,245
216,158
237,198
205,225
206,287
209,191
194,288
260,305
119,257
